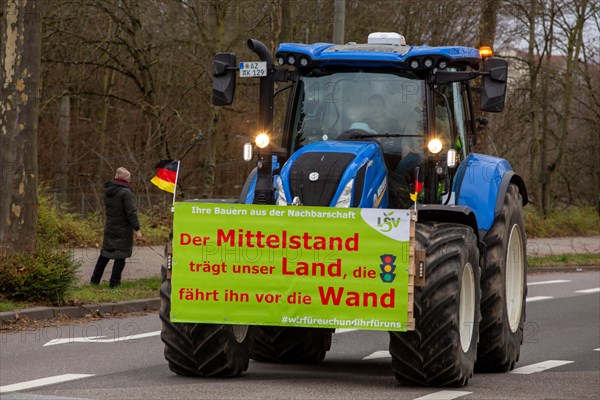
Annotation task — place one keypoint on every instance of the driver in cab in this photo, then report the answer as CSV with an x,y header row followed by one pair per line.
x,y
377,119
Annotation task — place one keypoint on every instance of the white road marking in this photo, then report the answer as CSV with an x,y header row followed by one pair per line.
x,y
42,382
539,367
133,337
444,395
97,339
378,354
537,298
344,330
594,290
547,282
87,339
598,349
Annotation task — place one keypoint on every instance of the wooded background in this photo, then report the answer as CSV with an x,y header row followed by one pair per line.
x,y
128,82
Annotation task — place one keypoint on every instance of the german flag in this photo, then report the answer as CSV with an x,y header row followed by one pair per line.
x,y
418,188
166,175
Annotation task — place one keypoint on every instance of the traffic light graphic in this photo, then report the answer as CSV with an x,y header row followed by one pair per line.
x,y
387,268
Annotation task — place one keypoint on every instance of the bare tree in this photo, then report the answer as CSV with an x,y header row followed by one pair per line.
x,y
20,29
571,21
139,74
544,101
553,75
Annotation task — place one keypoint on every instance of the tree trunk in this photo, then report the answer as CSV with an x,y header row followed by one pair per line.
x,y
64,119
544,177
487,34
487,22
108,82
339,19
288,29
210,160
20,30
276,14
534,149
574,44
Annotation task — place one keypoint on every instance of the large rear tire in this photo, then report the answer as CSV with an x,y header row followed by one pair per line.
x,y
504,288
442,349
291,345
203,349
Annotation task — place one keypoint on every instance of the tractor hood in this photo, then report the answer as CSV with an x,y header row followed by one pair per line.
x,y
334,174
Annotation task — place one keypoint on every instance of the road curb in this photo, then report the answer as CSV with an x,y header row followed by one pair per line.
x,y
41,313
586,268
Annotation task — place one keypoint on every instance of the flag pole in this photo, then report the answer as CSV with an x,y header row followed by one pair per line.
x,y
416,183
175,186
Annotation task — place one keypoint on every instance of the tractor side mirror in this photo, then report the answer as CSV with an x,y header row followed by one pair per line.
x,y
493,89
224,73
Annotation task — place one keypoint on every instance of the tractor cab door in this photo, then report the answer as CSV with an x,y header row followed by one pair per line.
x,y
451,117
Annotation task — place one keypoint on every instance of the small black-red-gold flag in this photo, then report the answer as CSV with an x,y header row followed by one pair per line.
x,y
166,175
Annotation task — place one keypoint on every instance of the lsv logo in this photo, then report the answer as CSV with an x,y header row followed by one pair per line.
x,y
387,222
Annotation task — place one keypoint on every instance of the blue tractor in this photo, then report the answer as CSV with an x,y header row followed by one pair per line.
x,y
388,125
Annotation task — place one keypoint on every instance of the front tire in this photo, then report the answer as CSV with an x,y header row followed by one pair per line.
x,y
504,288
291,345
203,349
442,349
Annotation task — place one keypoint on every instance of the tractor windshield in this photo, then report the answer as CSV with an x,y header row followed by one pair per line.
x,y
365,103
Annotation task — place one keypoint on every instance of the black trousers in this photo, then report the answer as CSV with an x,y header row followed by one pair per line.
x,y
115,276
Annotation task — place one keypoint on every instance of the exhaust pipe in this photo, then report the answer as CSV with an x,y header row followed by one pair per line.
x,y
267,87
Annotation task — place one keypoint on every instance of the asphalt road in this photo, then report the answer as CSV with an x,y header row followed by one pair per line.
x,y
122,358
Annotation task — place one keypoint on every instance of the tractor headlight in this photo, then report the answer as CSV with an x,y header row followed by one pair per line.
x,y
262,140
434,146
281,200
346,196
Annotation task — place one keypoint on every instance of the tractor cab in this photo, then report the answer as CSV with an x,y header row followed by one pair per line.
x,y
386,107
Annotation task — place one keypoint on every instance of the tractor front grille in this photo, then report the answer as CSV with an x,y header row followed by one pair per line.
x,y
315,177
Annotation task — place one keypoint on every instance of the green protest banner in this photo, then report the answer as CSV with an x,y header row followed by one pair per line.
x,y
292,266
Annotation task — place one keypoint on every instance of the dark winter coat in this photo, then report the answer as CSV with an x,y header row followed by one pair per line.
x,y
121,220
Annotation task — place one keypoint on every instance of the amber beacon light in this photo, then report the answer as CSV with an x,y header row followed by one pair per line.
x,y
485,51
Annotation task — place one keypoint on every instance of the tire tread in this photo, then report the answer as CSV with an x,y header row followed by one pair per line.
x,y
499,348
431,354
207,350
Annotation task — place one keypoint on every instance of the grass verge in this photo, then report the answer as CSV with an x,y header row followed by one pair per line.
x,y
87,294
574,221
565,260
7,305
128,290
